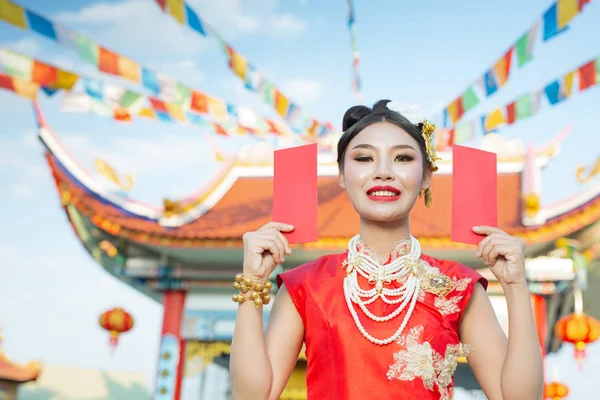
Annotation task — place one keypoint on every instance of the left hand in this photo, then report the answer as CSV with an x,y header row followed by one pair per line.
x,y
504,254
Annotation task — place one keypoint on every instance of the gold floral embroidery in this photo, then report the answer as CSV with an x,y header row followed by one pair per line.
x,y
419,360
447,306
461,284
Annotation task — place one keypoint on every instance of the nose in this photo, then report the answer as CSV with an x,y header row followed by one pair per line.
x,y
383,172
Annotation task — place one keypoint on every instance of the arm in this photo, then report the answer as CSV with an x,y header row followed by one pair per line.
x,y
261,364
505,369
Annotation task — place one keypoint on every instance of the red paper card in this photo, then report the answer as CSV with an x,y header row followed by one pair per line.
x,y
474,192
295,193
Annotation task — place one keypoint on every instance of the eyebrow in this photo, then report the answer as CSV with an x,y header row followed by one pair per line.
x,y
398,146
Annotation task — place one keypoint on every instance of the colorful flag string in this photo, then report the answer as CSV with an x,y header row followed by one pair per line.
x,y
299,119
26,76
165,88
554,21
356,82
524,106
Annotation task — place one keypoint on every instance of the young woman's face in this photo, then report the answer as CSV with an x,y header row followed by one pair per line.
x,y
383,172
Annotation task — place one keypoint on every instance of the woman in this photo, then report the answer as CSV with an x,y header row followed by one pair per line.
x,y
382,320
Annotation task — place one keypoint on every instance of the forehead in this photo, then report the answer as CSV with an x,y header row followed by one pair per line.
x,y
383,134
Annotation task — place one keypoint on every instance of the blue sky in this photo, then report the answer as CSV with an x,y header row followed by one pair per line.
x,y
426,51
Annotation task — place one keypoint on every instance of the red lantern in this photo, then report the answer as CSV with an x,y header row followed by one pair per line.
x,y
579,329
555,391
116,321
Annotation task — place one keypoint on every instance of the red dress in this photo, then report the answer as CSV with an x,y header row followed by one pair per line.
x,y
344,365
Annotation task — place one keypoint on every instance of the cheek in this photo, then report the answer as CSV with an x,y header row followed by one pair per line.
x,y
410,174
356,173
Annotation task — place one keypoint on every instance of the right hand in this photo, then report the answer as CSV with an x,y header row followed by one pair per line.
x,y
264,249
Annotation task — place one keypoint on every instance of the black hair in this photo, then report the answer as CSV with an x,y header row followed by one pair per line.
x,y
358,118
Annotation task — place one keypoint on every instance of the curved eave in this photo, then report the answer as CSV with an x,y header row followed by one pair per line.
x,y
13,372
200,202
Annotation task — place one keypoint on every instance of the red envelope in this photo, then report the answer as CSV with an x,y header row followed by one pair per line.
x,y
474,193
295,193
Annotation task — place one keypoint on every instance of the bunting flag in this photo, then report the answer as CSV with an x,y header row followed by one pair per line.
x,y
161,86
25,76
300,120
554,21
525,106
356,83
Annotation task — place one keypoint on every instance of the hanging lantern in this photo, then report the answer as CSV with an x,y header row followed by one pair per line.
x,y
578,329
116,321
555,391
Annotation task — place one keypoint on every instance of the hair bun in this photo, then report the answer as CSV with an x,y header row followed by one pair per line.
x,y
353,115
381,106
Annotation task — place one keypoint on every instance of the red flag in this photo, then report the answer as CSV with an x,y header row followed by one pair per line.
x,y
44,74
108,61
587,75
158,105
511,113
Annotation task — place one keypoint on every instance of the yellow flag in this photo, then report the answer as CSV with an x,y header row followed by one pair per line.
x,y
176,112
567,9
494,119
65,80
177,10
239,64
26,89
12,13
568,83
128,69
147,113
217,107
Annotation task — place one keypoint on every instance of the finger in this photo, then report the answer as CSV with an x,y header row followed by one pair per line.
x,y
286,243
280,226
487,230
269,244
496,236
495,252
490,242
277,236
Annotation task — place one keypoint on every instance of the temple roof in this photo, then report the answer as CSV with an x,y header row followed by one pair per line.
x,y
239,199
10,371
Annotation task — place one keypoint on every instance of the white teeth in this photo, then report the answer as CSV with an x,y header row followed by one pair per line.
x,y
383,193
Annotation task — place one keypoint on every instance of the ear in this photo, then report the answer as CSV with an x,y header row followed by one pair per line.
x,y
341,179
427,177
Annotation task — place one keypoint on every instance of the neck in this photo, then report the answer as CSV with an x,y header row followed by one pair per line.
x,y
381,236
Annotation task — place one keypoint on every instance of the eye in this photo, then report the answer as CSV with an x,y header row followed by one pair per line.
x,y
363,158
404,158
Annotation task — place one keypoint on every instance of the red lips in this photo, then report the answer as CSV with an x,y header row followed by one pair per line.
x,y
383,193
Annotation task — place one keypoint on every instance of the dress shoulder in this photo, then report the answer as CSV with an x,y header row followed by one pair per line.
x,y
300,281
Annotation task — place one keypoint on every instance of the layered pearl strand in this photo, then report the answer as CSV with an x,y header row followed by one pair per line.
x,y
378,274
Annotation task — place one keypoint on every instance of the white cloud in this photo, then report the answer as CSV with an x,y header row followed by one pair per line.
x,y
27,46
133,24
287,23
22,175
302,90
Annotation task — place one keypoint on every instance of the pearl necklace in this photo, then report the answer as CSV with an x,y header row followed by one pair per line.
x,y
372,270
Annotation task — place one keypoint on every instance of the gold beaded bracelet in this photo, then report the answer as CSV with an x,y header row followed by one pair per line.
x,y
259,293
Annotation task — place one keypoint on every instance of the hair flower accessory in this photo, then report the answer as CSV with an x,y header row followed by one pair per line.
x,y
411,112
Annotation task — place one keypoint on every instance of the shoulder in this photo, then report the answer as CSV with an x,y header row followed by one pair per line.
x,y
457,271
317,269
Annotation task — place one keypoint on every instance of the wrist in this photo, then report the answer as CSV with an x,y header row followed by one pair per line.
x,y
516,287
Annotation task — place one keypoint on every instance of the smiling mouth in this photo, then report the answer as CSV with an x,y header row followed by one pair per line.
x,y
383,194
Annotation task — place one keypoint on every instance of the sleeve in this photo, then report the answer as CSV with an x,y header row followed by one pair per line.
x,y
295,285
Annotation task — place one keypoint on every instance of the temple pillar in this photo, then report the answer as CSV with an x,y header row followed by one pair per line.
x,y
170,363
538,303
